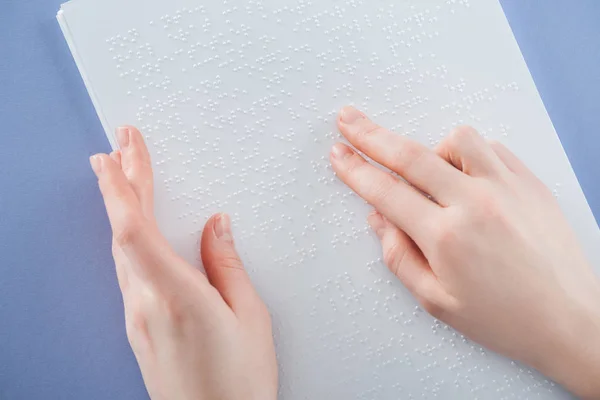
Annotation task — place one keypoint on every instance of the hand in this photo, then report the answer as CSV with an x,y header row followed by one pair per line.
x,y
488,251
194,336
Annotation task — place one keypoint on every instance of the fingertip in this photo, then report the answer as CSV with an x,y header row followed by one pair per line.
x,y
102,163
349,115
208,236
222,228
109,173
209,225
96,164
134,133
136,151
217,232
346,119
224,269
135,137
122,133
132,129
130,136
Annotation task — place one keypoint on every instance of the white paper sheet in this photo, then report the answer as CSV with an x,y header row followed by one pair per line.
x,y
237,101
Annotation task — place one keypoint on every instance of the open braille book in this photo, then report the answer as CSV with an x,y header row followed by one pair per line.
x,y
237,101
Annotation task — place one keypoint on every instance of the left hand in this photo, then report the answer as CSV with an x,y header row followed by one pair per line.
x,y
194,336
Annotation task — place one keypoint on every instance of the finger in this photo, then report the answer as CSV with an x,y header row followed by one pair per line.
x,y
122,205
511,161
135,162
417,164
469,152
406,261
116,156
223,266
400,203
143,246
118,256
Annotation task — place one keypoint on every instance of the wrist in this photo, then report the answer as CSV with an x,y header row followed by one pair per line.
x,y
572,356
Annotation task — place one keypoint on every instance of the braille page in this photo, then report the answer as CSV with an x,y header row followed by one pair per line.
x,y
237,101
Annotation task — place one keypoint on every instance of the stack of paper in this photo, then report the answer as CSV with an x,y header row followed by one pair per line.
x,y
237,100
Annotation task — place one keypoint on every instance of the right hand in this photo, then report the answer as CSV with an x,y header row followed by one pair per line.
x,y
488,251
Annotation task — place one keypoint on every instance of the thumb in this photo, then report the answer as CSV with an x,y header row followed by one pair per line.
x,y
223,266
405,260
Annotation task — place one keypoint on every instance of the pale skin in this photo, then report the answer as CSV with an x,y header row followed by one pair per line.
x,y
469,230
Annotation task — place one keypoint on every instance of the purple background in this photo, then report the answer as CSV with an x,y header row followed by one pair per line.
x,y
61,325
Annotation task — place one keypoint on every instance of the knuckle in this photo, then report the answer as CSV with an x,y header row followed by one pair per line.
x,y
168,308
136,327
380,190
461,134
129,231
393,257
488,207
484,210
408,156
231,261
173,311
390,257
446,235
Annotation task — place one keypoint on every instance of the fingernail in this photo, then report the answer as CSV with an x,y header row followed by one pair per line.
x,y
350,115
222,227
96,163
341,151
123,136
377,223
